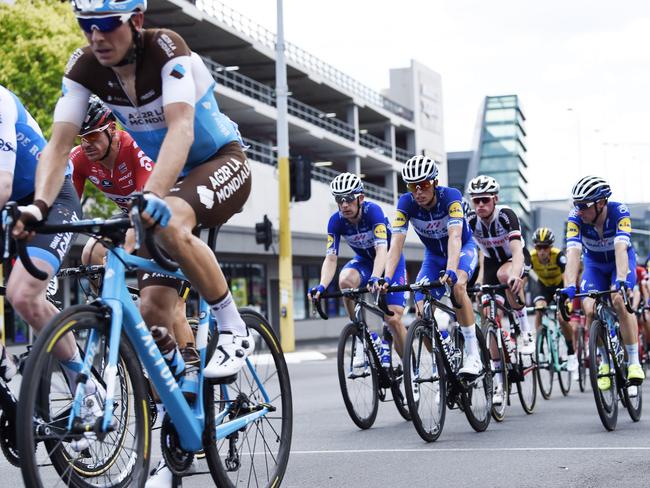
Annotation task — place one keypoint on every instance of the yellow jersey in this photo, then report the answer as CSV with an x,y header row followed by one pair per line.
x,y
549,274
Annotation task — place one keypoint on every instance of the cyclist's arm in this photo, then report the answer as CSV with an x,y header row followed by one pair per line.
x,y
622,263
517,250
6,184
174,149
572,265
381,256
394,254
53,161
328,270
454,243
481,261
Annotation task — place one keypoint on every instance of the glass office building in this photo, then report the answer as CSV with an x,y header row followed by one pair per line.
x,y
502,153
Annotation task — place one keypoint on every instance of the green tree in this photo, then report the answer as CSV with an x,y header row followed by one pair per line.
x,y
37,40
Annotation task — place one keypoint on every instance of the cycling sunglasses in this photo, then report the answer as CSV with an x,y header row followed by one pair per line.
x,y
94,135
421,185
345,198
583,205
483,200
105,23
542,247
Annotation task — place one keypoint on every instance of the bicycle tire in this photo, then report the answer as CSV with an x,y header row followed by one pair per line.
x,y
634,405
360,384
477,401
271,369
491,339
564,376
397,386
428,417
527,382
582,359
607,400
545,364
40,373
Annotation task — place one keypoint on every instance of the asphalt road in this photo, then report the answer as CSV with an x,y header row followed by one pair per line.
x,y
562,444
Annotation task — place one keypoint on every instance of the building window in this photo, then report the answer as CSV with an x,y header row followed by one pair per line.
x,y
247,283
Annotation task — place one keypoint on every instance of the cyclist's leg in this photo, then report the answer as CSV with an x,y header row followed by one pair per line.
x,y
465,315
539,301
520,310
354,274
396,303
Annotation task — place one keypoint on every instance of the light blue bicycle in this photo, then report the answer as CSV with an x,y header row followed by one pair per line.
x,y
243,428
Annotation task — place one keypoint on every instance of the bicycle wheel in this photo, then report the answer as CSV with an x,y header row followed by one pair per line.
x,y
119,458
582,360
358,382
257,454
425,382
544,359
527,382
499,372
397,386
477,400
606,400
564,376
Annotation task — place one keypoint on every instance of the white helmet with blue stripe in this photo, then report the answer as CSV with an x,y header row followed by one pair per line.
x,y
101,7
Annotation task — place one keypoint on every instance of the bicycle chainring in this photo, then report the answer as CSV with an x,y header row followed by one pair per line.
x,y
8,440
178,460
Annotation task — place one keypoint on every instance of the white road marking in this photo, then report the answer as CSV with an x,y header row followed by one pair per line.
x,y
477,449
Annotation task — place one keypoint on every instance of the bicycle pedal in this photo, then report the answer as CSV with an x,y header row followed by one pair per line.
x,y
226,380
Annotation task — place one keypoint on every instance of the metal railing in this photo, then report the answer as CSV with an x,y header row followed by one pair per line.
x,y
376,144
264,36
376,192
402,154
262,153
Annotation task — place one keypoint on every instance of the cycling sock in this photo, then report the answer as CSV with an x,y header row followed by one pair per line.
x,y
569,348
523,320
71,369
632,351
471,344
227,317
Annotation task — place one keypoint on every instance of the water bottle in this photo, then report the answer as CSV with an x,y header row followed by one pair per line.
x,y
385,354
377,344
169,350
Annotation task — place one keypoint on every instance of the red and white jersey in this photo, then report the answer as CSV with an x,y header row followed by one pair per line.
x,y
130,172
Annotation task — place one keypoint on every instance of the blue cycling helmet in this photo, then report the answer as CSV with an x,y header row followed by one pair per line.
x,y
591,189
101,7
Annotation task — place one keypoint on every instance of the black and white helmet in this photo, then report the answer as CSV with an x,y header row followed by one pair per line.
x,y
419,168
483,184
590,189
345,184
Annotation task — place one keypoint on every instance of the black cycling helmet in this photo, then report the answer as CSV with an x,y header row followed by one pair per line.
x,y
98,116
543,237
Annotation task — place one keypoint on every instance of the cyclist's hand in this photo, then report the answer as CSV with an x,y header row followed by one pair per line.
x,y
155,211
29,215
516,284
449,278
621,285
373,284
315,292
569,292
384,283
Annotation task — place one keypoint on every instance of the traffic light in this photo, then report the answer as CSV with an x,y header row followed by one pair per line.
x,y
264,233
300,178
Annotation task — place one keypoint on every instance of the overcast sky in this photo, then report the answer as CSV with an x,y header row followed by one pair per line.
x,y
581,69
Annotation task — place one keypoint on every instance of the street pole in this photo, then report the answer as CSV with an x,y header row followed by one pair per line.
x,y
287,333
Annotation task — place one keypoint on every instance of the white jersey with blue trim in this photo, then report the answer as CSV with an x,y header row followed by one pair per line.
x,y
21,143
166,72
432,225
616,228
363,237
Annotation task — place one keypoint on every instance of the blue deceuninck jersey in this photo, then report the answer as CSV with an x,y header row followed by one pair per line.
x,y
432,226
372,230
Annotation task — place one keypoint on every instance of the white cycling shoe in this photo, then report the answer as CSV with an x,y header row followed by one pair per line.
x,y
497,394
572,363
8,364
230,355
162,477
92,407
471,366
528,344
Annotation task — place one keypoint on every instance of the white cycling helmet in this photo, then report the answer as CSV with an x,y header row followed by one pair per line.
x,y
419,168
345,184
483,184
102,7
590,189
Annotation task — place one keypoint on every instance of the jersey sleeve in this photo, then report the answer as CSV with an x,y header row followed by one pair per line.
x,y
333,235
510,222
454,208
175,57
73,103
401,220
8,117
78,173
143,165
573,233
623,225
378,222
